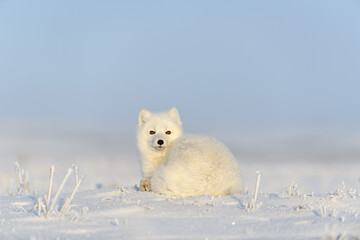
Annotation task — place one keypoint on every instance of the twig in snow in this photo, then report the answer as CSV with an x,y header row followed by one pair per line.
x,y
43,207
21,176
293,189
66,204
47,200
252,204
39,206
257,185
47,209
58,191
341,193
76,172
323,210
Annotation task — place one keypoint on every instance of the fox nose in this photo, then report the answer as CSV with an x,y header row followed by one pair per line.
x,y
160,142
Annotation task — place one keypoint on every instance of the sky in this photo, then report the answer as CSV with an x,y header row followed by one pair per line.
x,y
224,64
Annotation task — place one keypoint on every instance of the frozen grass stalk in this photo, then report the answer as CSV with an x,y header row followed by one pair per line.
x,y
293,189
39,206
52,169
257,185
43,207
76,171
323,210
58,191
20,173
252,204
66,204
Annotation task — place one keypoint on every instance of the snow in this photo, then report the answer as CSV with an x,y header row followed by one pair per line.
x,y
296,199
126,213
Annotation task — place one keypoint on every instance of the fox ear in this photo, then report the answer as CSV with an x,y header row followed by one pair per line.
x,y
174,114
144,115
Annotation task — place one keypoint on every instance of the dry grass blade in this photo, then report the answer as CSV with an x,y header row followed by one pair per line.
x,y
58,192
52,169
250,206
66,205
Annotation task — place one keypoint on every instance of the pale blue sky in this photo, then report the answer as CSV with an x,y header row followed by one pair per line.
x,y
237,64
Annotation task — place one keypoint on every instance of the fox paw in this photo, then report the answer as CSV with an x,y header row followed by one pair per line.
x,y
145,185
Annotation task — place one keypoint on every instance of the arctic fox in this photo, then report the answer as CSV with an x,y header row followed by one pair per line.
x,y
183,165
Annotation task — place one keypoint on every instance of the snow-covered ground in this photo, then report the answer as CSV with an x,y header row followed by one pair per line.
x,y
298,199
126,213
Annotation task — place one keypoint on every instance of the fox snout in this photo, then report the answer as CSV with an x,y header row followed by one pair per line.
x,y
159,144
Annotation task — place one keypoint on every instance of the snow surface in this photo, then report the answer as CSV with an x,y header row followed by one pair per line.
x,y
126,213
297,199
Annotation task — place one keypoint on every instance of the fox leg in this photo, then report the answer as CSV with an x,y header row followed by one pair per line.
x,y
145,185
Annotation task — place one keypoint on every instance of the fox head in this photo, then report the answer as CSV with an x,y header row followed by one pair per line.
x,y
157,131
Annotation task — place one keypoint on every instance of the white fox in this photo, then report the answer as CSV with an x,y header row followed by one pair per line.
x,y
183,165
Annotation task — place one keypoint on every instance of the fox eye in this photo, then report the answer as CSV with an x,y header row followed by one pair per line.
x,y
152,132
168,132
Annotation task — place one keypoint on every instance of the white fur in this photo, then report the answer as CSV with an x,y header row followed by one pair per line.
x,y
184,165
